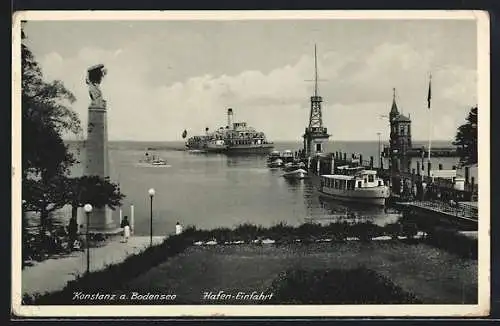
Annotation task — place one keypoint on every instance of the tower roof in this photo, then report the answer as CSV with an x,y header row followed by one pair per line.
x,y
402,118
394,108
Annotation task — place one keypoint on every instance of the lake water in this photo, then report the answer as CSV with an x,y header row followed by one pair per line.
x,y
213,190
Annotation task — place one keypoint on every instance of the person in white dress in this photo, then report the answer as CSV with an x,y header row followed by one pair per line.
x,y
126,229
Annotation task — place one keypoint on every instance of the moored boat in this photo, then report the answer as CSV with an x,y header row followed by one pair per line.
x,y
295,174
294,165
277,163
355,184
273,156
287,156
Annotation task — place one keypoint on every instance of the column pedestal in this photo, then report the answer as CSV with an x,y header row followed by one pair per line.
x,y
97,163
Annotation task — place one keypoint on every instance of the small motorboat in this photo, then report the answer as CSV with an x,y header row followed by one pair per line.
x,y
159,161
152,160
287,156
296,174
273,156
294,165
277,163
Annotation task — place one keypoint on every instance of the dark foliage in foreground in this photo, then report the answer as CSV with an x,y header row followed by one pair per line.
x,y
337,286
453,242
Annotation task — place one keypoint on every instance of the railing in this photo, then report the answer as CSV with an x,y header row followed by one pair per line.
x,y
459,209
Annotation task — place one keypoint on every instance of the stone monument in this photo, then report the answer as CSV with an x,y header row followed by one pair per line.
x,y
97,162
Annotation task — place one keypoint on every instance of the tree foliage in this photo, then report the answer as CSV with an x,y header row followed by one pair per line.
x,y
46,114
94,190
466,139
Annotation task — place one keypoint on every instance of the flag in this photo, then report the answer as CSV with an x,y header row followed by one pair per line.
x,y
429,95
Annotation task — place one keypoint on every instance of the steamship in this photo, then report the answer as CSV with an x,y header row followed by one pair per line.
x,y
236,138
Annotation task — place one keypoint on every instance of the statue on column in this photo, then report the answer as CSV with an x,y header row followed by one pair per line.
x,y
95,75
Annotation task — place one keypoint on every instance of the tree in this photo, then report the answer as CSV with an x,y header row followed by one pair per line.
x,y
95,190
46,115
466,139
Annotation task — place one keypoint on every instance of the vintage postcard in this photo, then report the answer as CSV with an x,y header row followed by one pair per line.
x,y
251,163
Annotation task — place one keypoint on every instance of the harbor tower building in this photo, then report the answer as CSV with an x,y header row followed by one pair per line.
x,y
400,139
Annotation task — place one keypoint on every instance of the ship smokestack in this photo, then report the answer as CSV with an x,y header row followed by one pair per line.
x,y
230,118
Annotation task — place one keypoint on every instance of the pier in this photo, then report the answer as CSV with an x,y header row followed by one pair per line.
x,y
414,193
461,215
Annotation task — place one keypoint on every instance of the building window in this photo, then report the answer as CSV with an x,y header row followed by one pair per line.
x,y
318,147
371,178
359,184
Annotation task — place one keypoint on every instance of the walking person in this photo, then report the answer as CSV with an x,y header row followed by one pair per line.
x,y
126,228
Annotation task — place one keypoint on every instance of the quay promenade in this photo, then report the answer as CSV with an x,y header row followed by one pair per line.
x,y
53,274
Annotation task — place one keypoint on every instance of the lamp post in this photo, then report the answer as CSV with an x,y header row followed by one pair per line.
x,y
88,209
379,152
24,227
151,195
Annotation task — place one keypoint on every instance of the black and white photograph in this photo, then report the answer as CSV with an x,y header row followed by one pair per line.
x,y
251,163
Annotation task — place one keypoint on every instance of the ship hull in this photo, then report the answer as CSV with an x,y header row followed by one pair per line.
x,y
371,196
257,149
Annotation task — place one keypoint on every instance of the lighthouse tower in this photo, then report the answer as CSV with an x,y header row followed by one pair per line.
x,y
315,134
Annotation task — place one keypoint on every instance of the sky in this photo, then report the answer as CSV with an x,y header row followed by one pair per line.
x,y
167,76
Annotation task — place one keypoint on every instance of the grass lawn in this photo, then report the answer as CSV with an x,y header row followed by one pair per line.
x,y
414,272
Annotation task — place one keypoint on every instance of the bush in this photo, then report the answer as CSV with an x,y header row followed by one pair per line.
x,y
336,286
454,242
394,230
410,230
308,232
281,233
365,231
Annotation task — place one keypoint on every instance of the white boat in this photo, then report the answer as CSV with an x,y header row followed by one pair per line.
x,y
295,174
355,184
158,162
273,156
294,165
276,163
152,160
287,156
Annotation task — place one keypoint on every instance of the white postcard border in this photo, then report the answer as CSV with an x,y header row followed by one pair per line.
x,y
481,309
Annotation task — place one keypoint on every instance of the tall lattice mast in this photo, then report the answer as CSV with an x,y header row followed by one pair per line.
x,y
315,134
315,118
